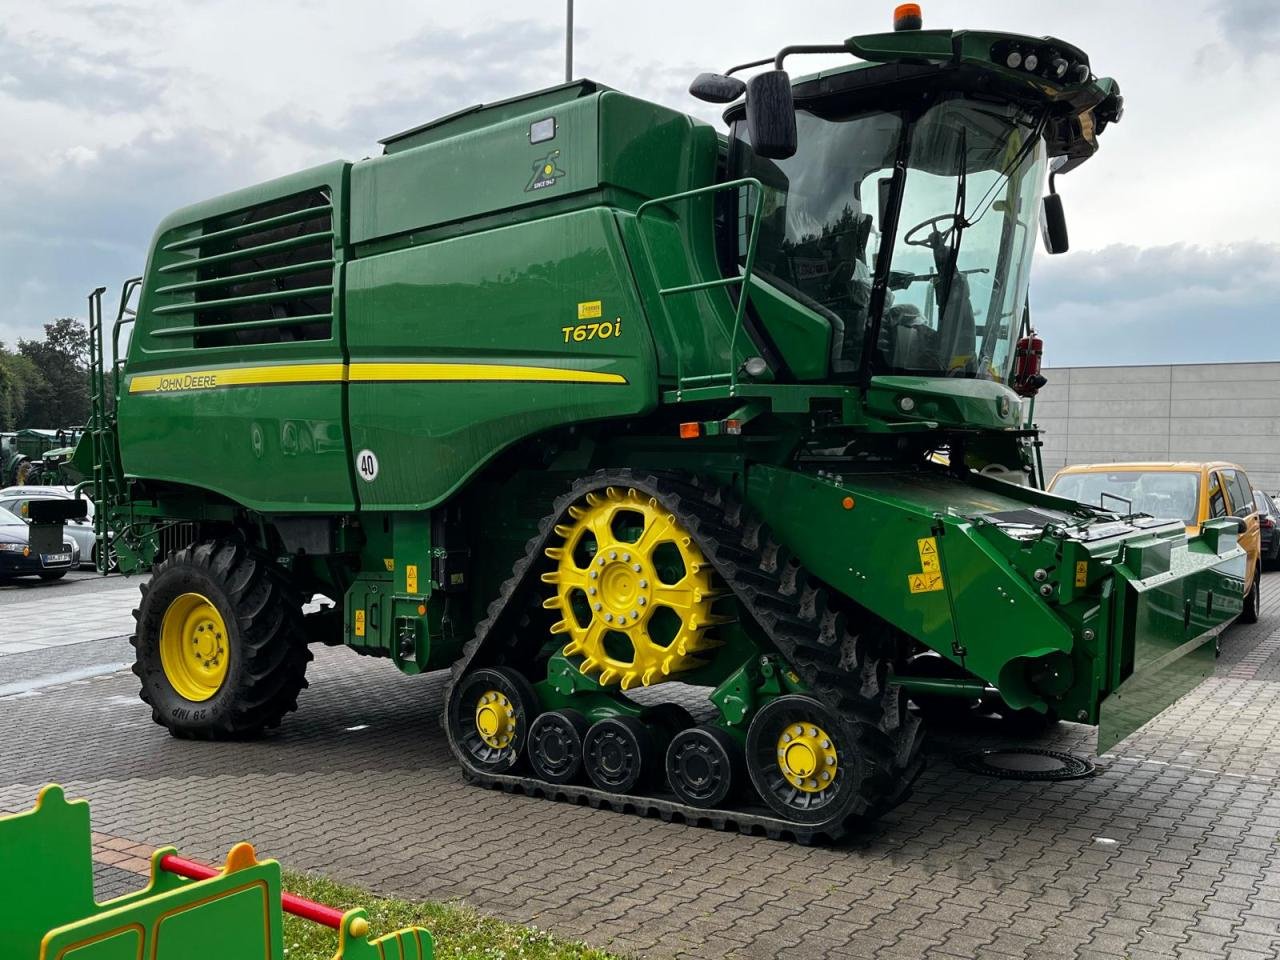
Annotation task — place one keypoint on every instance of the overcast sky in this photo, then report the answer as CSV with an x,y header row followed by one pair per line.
x,y
115,113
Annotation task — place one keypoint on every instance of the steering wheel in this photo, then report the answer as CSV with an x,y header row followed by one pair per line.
x,y
930,240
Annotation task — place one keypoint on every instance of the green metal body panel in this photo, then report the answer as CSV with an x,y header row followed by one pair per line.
x,y
437,183
1048,617
228,440
501,297
802,336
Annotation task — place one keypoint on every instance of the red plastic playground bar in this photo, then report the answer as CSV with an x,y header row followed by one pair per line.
x,y
298,906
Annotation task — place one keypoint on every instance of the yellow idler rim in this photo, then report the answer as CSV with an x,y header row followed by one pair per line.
x,y
195,647
621,585
807,757
495,719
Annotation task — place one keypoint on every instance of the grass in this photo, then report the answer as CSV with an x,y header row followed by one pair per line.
x,y
461,933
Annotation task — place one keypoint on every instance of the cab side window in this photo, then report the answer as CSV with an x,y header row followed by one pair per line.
x,y
1238,491
1217,499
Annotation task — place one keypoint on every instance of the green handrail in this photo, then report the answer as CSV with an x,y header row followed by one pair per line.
x,y
758,205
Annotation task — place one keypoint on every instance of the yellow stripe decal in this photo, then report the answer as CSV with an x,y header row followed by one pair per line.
x,y
442,372
237,377
185,381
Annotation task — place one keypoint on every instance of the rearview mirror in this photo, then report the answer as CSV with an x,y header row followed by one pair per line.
x,y
771,115
884,191
1053,224
717,88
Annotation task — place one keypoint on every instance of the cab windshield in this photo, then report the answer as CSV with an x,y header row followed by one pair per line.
x,y
954,271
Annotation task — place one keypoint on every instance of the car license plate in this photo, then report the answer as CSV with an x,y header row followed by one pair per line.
x,y
57,558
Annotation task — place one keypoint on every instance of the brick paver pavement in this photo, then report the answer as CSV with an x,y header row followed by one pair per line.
x,y
1171,851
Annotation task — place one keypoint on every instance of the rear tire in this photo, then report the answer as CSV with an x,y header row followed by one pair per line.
x,y
254,660
1253,601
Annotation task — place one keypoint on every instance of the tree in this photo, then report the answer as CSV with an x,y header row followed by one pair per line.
x,y
23,392
55,372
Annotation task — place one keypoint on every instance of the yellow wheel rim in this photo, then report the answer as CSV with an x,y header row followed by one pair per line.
x,y
194,647
632,589
807,757
495,719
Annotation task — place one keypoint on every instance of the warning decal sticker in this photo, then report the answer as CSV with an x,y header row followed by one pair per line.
x,y
930,576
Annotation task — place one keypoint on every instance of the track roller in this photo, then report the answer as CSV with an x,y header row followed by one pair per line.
x,y
802,760
555,745
619,754
704,766
489,715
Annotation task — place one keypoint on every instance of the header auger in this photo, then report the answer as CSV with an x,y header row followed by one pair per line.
x,y
690,453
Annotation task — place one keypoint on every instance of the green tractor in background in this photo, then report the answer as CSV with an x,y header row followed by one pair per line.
x,y
579,397
38,457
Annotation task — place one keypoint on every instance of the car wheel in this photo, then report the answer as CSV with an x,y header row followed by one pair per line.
x,y
1253,602
113,561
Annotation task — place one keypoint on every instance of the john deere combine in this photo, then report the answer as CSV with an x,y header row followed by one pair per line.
x,y
580,397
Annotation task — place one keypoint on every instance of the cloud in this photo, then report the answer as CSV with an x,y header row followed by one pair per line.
x,y
90,216
1251,28
46,69
1174,303
438,71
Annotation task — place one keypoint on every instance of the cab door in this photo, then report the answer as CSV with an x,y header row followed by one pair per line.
x,y
1240,496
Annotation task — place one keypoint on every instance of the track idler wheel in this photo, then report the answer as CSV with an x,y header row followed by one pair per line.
x,y
619,754
803,762
489,715
704,766
555,745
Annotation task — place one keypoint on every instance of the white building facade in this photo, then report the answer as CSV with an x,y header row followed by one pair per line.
x,y
1194,411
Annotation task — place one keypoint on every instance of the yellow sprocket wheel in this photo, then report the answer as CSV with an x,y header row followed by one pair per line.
x,y
633,590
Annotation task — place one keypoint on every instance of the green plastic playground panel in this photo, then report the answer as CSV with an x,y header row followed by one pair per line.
x,y
47,910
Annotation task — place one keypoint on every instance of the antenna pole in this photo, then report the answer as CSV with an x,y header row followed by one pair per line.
x,y
568,43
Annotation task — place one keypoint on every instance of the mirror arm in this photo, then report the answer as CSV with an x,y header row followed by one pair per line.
x,y
747,66
808,48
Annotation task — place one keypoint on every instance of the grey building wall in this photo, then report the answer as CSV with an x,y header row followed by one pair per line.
x,y
1194,411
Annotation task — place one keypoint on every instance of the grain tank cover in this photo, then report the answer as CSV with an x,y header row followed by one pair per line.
x,y
484,114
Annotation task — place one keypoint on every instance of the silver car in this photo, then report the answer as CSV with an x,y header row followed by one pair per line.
x,y
80,532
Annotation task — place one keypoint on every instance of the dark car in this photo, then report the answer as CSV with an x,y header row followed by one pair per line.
x,y
17,559
1268,521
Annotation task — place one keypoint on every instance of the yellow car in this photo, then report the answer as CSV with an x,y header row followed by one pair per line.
x,y
1194,492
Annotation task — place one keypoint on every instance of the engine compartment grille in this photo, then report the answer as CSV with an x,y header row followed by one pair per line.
x,y
264,274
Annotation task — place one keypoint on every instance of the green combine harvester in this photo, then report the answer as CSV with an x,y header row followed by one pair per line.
x,y
579,397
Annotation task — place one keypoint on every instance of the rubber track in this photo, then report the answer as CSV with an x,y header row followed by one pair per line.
x,y
776,592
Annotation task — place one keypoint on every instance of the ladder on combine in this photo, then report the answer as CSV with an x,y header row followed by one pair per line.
x,y
107,478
